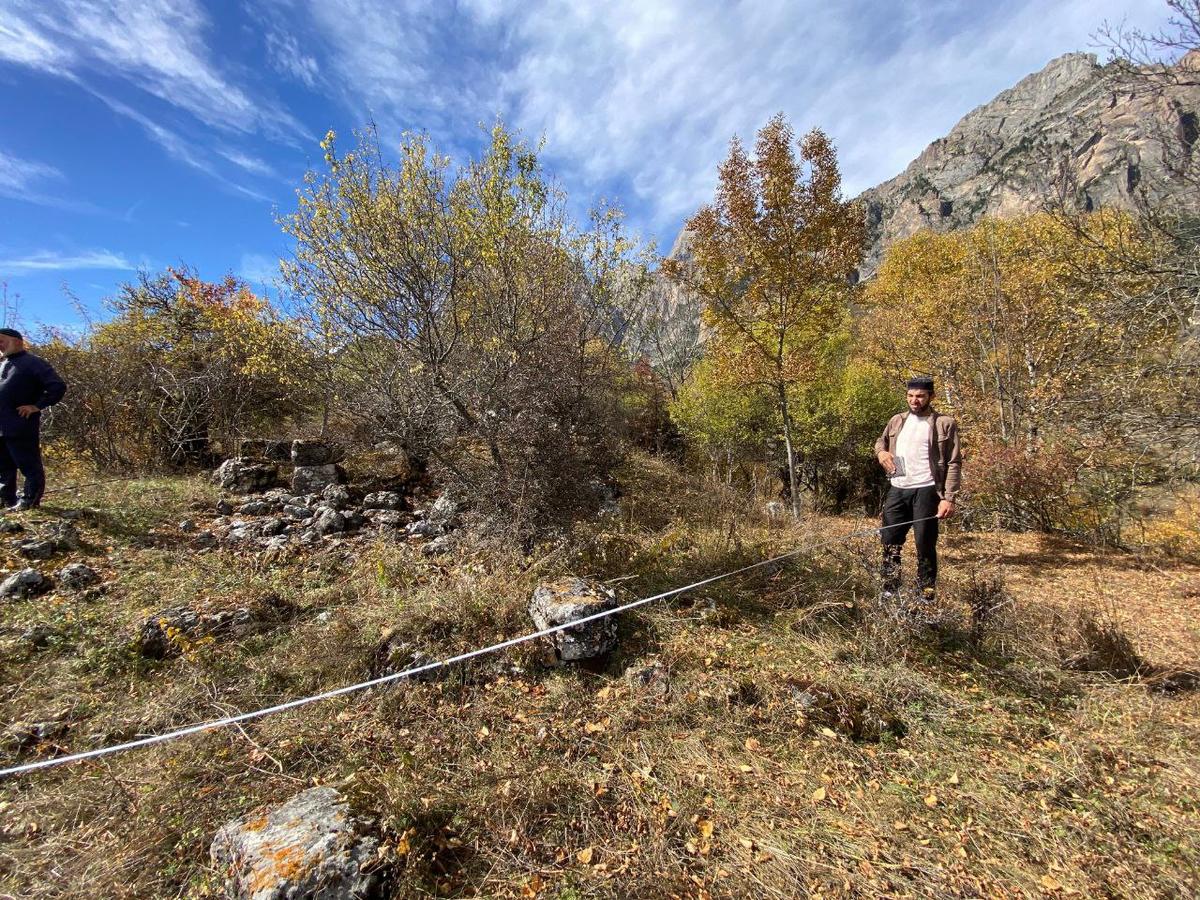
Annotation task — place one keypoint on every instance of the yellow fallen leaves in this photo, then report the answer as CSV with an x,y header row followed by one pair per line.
x,y
818,795
585,856
931,801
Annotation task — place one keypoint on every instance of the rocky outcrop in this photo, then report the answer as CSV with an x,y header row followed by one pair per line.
x,y
1075,132
309,848
170,631
568,600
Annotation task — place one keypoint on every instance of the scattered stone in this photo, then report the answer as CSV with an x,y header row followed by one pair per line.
x,y
273,527
444,511
224,508
187,526
310,848
566,600
337,496
77,576
38,636
160,635
24,584
436,547
385,518
329,521
243,475
11,526
255,508
21,736
383,500
205,540
64,536
652,676
297,512
312,453
423,528
314,479
277,545
36,549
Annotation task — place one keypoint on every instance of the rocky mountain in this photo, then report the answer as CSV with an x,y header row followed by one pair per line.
x,y
1075,133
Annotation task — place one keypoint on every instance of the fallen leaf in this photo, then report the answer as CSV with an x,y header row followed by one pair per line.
x,y
753,745
818,795
705,827
1050,883
745,768
585,856
931,801
829,732
594,727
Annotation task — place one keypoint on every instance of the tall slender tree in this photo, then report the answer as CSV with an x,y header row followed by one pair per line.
x,y
772,262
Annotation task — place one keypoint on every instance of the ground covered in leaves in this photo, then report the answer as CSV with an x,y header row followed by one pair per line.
x,y
781,735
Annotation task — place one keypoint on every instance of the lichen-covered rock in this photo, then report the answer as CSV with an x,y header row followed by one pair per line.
x,y
329,521
244,475
336,496
314,479
383,500
36,549
24,584
77,576
255,508
386,519
310,848
169,631
567,600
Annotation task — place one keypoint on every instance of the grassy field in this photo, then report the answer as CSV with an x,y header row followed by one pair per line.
x,y
803,741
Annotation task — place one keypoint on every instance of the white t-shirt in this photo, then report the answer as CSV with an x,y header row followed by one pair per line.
x,y
912,453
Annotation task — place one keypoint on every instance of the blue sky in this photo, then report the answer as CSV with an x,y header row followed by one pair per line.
x,y
146,133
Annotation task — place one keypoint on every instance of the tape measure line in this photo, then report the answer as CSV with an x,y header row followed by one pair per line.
x,y
417,670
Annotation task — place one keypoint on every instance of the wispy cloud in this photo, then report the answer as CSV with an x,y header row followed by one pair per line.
x,y
20,177
642,98
49,260
259,268
283,50
158,45
251,164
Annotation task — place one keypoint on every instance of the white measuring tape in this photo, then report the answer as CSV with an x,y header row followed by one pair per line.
x,y
407,673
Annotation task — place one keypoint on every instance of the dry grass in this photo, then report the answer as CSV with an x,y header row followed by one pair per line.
x,y
810,742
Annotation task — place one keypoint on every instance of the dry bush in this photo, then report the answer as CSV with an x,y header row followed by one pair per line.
x,y
1099,644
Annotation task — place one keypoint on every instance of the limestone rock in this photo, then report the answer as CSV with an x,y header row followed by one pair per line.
x,y
383,500
310,848
24,584
36,549
243,475
329,521
566,600
77,576
336,496
160,635
315,478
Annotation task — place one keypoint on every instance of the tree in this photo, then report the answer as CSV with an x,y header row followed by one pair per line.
x,y
182,364
771,261
478,322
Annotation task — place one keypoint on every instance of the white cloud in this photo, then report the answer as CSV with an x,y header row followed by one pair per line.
x,y
158,45
251,164
648,94
49,260
21,177
286,56
259,268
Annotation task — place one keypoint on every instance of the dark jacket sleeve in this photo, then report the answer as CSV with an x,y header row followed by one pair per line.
x,y
953,464
53,387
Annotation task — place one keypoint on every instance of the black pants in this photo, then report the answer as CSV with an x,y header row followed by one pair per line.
x,y
902,506
23,453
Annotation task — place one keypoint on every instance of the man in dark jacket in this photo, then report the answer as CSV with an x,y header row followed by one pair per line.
x,y
28,384
919,451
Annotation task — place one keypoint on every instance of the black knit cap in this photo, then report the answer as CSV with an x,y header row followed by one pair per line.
x,y
12,333
919,383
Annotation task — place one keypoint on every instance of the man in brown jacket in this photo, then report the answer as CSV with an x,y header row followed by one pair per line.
x,y
919,451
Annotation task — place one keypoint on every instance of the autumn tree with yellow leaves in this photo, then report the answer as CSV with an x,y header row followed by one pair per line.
x,y
772,260
182,366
